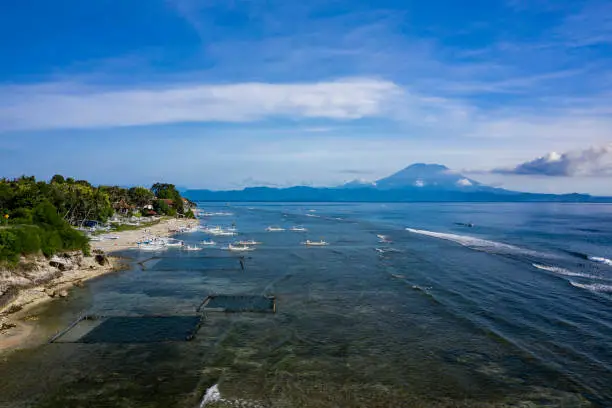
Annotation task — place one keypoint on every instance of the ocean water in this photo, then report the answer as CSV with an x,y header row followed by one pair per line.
x,y
469,305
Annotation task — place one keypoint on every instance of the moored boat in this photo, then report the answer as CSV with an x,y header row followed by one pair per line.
x,y
274,229
239,248
315,243
248,242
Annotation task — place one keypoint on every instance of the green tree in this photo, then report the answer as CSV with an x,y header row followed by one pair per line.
x,y
160,207
140,196
41,213
58,179
9,246
163,190
169,192
177,204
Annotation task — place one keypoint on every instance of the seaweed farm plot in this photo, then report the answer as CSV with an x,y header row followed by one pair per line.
x,y
204,263
129,329
238,303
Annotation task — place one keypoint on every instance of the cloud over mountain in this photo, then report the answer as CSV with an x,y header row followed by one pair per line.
x,y
591,162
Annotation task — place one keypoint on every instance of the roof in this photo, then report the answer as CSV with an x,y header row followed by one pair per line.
x,y
122,204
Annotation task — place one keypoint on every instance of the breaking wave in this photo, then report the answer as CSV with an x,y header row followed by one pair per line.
x,y
386,250
593,287
600,259
213,397
479,243
565,272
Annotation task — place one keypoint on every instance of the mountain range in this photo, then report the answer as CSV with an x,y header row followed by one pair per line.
x,y
417,182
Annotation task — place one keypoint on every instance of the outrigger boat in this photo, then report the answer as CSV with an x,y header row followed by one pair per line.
x,y
315,243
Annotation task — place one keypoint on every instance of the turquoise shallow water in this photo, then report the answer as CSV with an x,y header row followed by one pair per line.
x,y
513,310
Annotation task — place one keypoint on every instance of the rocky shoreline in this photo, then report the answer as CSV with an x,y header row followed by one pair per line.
x,y
38,280
39,277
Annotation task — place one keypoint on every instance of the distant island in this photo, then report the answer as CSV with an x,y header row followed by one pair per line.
x,y
416,183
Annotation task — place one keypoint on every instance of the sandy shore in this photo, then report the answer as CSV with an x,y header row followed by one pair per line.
x,y
129,239
17,324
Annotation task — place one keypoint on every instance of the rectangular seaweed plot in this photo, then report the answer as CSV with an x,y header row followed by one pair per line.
x,y
200,263
132,329
78,329
238,303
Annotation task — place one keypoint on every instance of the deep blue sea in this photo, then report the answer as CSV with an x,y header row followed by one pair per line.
x,y
468,305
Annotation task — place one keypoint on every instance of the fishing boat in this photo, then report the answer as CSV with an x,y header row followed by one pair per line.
x,y
225,233
150,247
188,230
218,231
248,242
208,242
239,248
298,229
275,229
192,248
211,230
108,236
174,243
315,243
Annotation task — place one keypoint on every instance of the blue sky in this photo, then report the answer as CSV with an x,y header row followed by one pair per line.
x,y
225,94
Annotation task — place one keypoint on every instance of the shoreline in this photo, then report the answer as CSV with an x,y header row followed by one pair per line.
x,y
16,324
129,239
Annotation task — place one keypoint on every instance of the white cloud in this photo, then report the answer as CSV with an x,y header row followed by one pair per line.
x,y
464,183
419,183
591,162
553,125
51,106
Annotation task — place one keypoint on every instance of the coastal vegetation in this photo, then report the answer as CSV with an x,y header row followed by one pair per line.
x,y
40,217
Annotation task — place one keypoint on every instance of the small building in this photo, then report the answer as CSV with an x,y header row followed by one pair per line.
x,y
122,207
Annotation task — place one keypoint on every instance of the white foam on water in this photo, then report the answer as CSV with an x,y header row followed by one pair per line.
x,y
593,287
563,271
479,243
212,395
385,250
600,259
